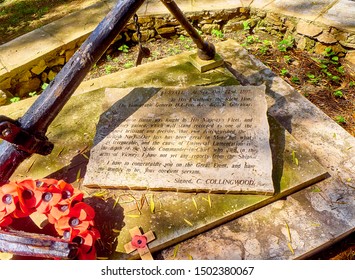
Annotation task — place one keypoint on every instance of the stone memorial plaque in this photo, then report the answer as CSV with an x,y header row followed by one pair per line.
x,y
195,140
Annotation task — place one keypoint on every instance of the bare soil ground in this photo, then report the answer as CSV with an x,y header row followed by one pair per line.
x,y
326,80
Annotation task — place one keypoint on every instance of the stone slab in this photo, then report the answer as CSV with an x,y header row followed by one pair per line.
x,y
261,4
206,65
176,216
22,51
156,7
287,229
3,70
310,10
194,139
66,30
175,71
337,13
340,15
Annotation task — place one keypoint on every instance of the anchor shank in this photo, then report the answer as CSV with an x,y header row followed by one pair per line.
x,y
206,50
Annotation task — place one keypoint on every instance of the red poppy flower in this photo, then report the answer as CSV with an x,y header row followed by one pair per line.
x,y
78,220
69,194
5,221
62,204
63,207
58,211
8,198
139,241
48,182
86,241
51,195
91,255
29,196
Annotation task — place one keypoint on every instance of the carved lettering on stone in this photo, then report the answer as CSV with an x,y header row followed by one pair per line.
x,y
195,139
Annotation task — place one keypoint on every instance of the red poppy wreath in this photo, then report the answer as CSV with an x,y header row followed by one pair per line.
x,y
61,203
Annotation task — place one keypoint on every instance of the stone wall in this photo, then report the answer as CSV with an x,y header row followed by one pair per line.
x,y
31,79
313,37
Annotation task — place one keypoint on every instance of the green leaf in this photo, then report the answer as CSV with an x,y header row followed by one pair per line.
x,y
217,33
316,190
338,93
123,48
340,119
128,64
182,38
44,86
335,58
15,99
284,72
246,25
100,193
295,80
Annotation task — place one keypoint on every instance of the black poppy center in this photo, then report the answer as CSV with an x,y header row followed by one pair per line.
x,y
7,199
47,196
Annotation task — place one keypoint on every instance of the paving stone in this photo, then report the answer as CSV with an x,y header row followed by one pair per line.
x,y
3,70
156,7
261,4
25,50
304,9
24,88
25,76
341,15
66,30
111,3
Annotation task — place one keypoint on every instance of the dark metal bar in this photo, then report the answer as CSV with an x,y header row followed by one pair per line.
x,y
41,114
206,50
